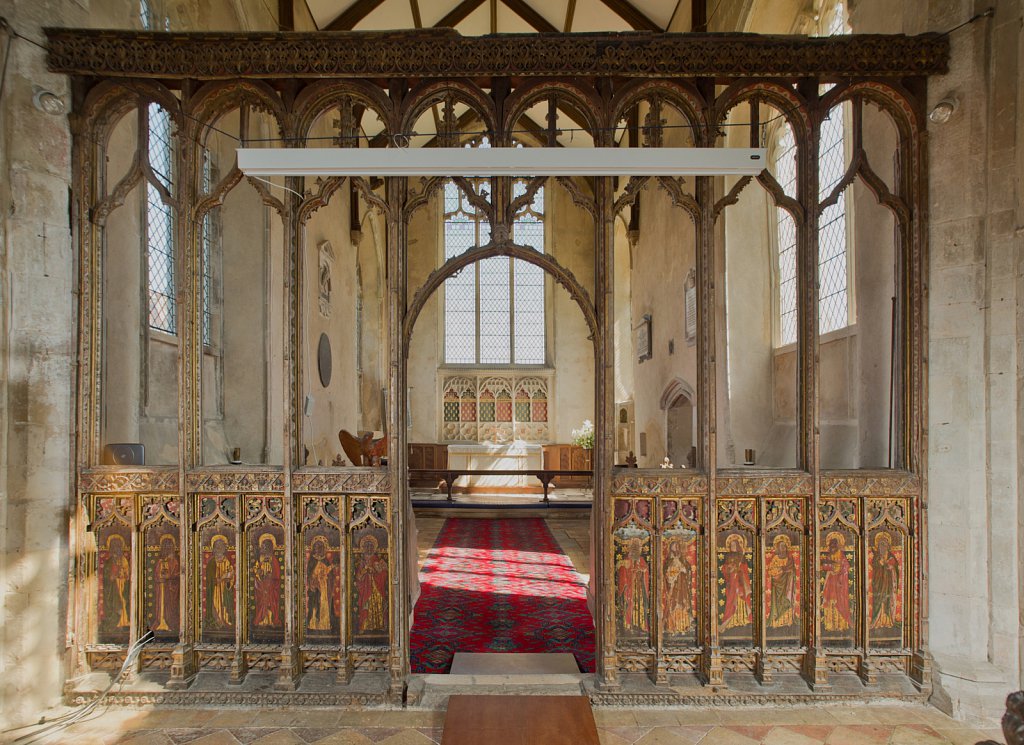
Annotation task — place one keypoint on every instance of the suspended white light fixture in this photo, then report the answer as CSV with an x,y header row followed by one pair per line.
x,y
502,161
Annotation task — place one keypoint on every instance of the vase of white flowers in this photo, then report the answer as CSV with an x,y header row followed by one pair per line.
x,y
584,436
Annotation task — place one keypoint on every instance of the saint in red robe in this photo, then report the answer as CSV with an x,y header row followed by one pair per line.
x,y
835,592
267,575
736,573
632,584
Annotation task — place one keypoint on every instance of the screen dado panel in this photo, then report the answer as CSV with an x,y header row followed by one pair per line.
x,y
264,572
776,583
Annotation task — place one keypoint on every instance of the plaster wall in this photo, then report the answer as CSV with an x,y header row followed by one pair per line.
x,y
336,406
662,258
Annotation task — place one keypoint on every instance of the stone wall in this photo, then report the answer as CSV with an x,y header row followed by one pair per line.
x,y
37,364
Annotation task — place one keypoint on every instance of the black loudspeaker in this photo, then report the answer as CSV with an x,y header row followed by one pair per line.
x,y
124,454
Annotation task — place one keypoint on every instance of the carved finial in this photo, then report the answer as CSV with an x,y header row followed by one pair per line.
x,y
653,125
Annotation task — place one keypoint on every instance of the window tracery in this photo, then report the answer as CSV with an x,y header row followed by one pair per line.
x,y
494,309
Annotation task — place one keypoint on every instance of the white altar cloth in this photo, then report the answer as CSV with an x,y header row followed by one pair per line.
x,y
515,456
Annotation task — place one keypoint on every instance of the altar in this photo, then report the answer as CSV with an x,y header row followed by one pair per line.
x,y
515,456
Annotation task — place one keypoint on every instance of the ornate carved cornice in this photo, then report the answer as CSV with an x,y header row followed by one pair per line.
x,y
348,481
664,484
235,481
125,481
790,485
855,484
445,53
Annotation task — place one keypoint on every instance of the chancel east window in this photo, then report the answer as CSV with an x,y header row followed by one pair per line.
x,y
494,309
160,225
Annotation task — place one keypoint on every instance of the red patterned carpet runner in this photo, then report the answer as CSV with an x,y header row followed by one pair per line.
x,y
499,586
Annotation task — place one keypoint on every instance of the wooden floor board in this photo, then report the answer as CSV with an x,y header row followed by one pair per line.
x,y
519,720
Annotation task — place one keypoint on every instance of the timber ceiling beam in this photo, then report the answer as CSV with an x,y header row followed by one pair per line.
x,y
632,15
285,15
528,14
352,15
433,53
458,14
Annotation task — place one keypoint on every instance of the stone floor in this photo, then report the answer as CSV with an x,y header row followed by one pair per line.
x,y
836,725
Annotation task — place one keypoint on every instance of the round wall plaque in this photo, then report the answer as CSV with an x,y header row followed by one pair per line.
x,y
323,360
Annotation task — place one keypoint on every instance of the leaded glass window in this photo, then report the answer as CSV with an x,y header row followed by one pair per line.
x,y
833,300
494,309
206,239
785,174
833,270
160,225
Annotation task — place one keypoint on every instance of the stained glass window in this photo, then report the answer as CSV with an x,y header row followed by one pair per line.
x,y
494,309
160,225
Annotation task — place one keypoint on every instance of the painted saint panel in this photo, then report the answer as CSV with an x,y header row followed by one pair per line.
x,y
735,586
679,567
265,586
370,601
217,559
323,583
162,581
632,557
679,586
783,588
886,584
113,564
839,587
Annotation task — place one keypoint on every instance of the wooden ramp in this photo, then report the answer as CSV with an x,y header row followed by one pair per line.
x,y
519,720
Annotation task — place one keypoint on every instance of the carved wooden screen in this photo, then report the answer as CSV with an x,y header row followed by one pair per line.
x,y
496,408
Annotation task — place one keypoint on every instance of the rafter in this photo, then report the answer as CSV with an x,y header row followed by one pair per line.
x,y
285,15
458,13
570,11
528,14
631,15
352,15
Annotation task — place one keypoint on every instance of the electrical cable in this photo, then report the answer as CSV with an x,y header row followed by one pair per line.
x,y
987,13
73,717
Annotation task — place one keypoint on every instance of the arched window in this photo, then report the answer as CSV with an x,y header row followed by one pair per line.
x,y
833,267
207,237
493,309
160,225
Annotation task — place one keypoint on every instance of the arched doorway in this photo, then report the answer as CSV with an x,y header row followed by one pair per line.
x,y
584,333
678,402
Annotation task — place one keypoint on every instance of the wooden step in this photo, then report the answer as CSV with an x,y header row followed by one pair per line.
x,y
519,720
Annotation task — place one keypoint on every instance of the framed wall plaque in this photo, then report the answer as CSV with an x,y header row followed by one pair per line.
x,y
644,350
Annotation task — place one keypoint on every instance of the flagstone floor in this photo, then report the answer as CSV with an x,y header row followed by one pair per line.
x,y
835,725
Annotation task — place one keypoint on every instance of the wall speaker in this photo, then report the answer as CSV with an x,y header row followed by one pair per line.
x,y
124,454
